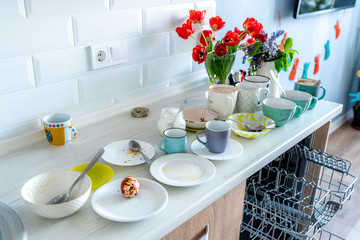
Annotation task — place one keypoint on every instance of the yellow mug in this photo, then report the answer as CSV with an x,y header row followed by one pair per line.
x,y
59,128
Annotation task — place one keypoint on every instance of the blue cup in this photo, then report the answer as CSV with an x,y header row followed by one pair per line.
x,y
310,86
175,140
217,135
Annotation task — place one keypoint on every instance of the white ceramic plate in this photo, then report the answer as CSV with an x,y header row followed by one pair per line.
x,y
109,202
233,149
11,226
119,153
182,169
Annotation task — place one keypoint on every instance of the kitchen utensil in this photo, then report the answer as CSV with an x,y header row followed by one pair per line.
x,y
182,106
59,128
135,146
196,118
222,98
217,136
65,196
302,99
174,141
280,110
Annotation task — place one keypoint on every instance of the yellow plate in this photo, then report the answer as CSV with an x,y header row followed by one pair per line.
x,y
99,173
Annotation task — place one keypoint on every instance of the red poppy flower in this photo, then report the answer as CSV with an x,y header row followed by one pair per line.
x,y
231,38
199,54
186,29
252,26
216,23
197,16
242,34
220,49
209,35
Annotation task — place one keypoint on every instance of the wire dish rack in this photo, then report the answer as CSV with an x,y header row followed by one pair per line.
x,y
288,199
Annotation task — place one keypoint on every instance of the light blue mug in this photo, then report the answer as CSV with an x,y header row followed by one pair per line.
x,y
302,99
280,110
175,140
310,86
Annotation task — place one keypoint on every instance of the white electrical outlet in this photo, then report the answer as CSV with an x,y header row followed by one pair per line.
x,y
100,56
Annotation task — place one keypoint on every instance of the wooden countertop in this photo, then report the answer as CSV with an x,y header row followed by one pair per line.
x,y
21,162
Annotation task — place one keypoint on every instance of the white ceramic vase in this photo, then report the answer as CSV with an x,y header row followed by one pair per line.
x,y
264,69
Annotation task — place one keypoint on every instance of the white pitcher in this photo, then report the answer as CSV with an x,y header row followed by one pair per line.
x,y
248,97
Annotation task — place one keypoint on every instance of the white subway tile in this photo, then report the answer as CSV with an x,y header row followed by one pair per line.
x,y
16,74
148,47
210,8
109,26
185,1
166,69
180,45
165,18
11,10
27,105
59,65
37,8
198,67
109,83
20,129
122,4
36,35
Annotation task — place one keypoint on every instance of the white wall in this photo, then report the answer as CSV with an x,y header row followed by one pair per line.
x,y
45,59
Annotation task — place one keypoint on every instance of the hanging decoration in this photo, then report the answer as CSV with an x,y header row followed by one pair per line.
x,y
337,28
281,46
356,97
327,50
316,69
306,69
293,72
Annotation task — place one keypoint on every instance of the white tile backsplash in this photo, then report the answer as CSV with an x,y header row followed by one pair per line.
x,y
209,6
27,105
36,35
11,10
165,18
166,69
109,26
40,8
123,4
61,65
45,57
110,83
16,74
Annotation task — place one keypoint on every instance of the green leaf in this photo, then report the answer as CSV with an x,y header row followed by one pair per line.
x,y
288,44
278,65
256,49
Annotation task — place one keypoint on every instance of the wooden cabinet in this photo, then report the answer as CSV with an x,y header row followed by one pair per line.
x,y
223,217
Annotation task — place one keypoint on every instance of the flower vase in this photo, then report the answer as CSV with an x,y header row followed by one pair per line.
x,y
219,68
264,69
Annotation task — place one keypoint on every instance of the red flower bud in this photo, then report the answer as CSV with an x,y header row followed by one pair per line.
x,y
199,54
250,41
209,35
216,23
197,16
231,38
186,29
220,49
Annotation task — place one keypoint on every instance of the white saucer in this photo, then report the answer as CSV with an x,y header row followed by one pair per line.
x,y
119,153
109,202
234,149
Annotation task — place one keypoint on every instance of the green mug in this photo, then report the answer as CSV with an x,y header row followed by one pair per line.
x,y
280,110
310,86
302,99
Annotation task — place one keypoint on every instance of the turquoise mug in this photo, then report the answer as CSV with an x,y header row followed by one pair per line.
x,y
310,86
280,110
302,99
174,140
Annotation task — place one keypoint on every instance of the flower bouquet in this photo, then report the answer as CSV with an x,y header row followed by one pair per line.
x,y
219,57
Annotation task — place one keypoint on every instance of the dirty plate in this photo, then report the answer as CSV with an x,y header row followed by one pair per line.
x,y
109,203
250,118
99,173
119,153
11,226
196,118
182,170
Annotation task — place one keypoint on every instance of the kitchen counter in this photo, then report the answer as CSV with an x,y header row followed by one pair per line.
x,y
25,161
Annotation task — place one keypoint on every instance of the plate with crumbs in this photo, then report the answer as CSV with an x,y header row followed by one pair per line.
x,y
119,153
196,118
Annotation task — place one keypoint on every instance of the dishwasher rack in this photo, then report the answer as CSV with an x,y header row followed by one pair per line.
x,y
296,195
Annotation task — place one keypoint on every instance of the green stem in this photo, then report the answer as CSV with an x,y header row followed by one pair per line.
x,y
247,45
196,40
202,34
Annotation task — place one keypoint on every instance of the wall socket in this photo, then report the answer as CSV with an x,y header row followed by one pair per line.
x,y
105,56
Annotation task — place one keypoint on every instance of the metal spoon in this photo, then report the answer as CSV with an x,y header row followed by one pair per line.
x,y
182,106
317,82
135,147
65,196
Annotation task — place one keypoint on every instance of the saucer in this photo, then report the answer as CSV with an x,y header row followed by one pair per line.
x,y
234,149
196,118
99,173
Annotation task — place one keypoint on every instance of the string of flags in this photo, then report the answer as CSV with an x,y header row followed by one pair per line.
x,y
317,58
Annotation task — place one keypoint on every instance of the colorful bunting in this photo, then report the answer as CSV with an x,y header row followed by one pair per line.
x,y
306,68
293,72
316,69
337,28
281,46
327,50
356,97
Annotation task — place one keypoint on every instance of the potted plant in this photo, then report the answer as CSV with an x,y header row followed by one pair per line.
x,y
356,121
219,57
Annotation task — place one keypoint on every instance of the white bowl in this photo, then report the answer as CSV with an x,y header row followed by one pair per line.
x,y
40,189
